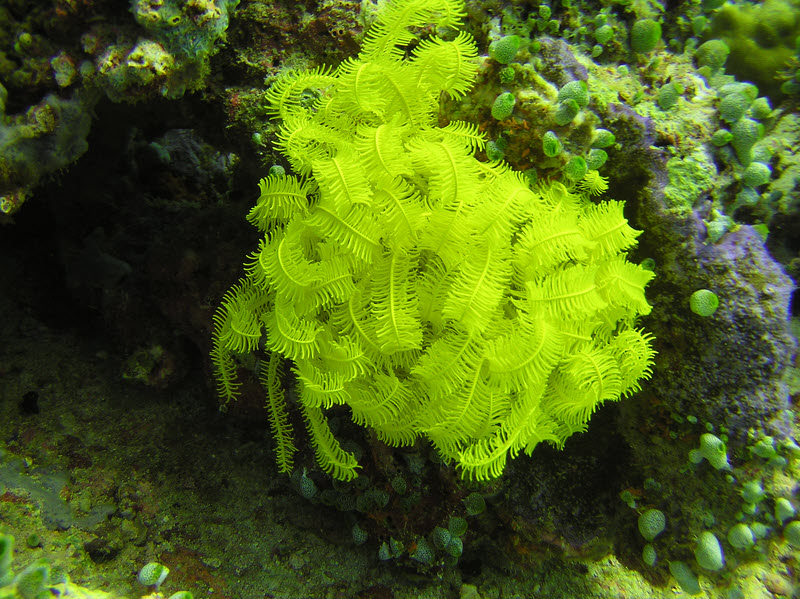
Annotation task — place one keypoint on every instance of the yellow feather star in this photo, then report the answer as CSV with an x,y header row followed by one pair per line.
x,y
594,184
434,295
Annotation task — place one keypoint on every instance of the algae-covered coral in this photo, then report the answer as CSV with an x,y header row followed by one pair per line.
x,y
430,293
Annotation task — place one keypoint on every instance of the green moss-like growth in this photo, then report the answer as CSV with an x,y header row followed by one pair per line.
x,y
430,293
668,95
689,178
761,38
34,581
6,557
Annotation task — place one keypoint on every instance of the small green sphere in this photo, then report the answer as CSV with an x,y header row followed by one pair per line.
x,y
399,484
760,109
551,145
650,264
760,530
733,107
503,106
603,138
756,174
784,509
712,53
652,523
746,132
576,168
741,536
494,151
721,137
423,553
566,111
699,24
153,574
645,35
307,487
359,535
764,448
455,547
441,537
474,504
603,34
687,579
708,552
714,450
704,302
576,90
596,158
748,90
753,492
649,555
457,526
505,49
792,533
